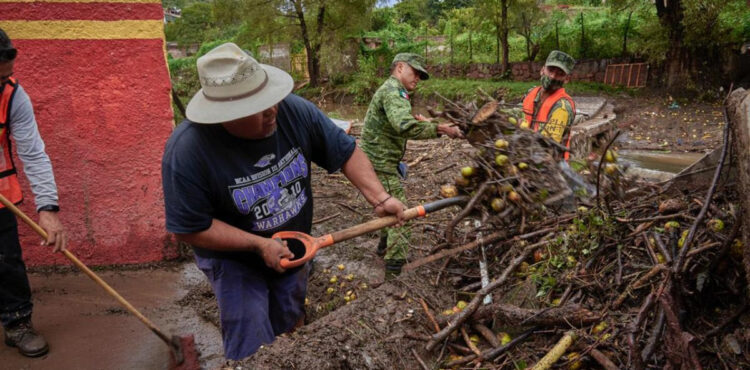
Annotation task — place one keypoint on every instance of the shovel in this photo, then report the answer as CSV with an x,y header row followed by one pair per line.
x,y
313,244
183,352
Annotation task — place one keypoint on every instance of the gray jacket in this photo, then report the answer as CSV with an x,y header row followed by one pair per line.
x,y
30,149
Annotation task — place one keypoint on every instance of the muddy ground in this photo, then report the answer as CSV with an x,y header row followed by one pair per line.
x,y
658,123
368,323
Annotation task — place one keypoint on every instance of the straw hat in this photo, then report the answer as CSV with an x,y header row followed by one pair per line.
x,y
234,85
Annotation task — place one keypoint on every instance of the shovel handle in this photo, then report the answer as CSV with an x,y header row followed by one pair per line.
x,y
38,229
312,244
409,214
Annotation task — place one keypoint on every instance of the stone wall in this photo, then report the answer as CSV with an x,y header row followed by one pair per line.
x,y
585,70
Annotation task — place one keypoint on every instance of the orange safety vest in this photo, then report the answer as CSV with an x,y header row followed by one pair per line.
x,y
547,104
9,186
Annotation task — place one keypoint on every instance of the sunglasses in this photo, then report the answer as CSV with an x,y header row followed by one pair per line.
x,y
8,54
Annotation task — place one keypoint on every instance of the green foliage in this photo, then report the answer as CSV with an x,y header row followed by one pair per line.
x,y
193,26
462,89
366,80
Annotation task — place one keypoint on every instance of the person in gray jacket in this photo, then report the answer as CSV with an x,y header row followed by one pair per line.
x,y
17,121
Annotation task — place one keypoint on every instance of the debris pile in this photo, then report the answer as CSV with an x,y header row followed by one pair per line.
x,y
632,276
644,279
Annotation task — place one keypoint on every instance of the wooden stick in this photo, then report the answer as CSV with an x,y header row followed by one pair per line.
x,y
419,359
468,341
554,354
638,283
603,360
678,266
464,315
449,252
324,219
429,315
487,334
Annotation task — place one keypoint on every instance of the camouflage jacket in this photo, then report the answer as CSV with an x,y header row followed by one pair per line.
x,y
389,124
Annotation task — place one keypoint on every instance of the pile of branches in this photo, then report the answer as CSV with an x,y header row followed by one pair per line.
x,y
642,278
516,174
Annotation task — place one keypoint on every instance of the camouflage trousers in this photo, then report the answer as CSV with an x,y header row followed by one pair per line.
x,y
398,237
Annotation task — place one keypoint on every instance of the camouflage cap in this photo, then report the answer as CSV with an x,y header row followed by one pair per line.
x,y
415,61
559,59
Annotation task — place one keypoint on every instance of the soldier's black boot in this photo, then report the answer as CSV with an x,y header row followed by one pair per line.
x,y
382,245
23,336
393,268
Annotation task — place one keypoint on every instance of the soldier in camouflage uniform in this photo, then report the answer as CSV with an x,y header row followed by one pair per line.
x,y
547,108
389,123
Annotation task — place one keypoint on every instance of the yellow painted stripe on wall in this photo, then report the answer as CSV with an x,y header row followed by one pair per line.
x,y
80,1
83,30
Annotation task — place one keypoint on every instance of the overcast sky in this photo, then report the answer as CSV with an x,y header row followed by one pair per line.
x,y
384,3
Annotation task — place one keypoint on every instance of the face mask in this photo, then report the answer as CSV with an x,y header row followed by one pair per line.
x,y
549,84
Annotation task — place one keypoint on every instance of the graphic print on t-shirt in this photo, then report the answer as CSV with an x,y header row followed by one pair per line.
x,y
274,195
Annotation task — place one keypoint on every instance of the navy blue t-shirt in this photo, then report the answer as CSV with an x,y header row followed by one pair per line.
x,y
261,186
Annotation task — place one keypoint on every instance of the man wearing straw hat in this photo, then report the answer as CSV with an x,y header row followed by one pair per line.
x,y
236,171
17,120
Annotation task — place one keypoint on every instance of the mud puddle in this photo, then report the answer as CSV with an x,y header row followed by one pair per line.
x,y
672,162
87,329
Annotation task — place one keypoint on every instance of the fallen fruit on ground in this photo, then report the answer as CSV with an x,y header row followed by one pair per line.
x,y
468,172
448,191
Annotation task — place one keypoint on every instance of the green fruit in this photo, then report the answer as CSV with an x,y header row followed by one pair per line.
x,y
523,166
504,338
600,327
671,225
468,172
497,204
610,169
501,160
610,156
501,144
716,225
513,120
571,260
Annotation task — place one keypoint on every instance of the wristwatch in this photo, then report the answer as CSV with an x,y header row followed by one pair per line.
x,y
49,208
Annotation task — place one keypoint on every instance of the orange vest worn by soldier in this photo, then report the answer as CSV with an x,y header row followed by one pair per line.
x,y
553,127
9,185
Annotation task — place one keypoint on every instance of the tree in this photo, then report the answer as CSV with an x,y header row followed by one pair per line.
x,y
529,23
192,26
497,12
313,22
693,31
670,15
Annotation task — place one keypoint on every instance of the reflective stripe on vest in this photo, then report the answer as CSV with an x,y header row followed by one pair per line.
x,y
543,114
9,186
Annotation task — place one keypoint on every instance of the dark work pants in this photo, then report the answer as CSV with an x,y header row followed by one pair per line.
x,y
15,293
255,303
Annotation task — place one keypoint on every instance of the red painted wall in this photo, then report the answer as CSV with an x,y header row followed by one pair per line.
x,y
104,112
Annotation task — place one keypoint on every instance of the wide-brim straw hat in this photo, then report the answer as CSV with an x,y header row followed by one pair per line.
x,y
234,85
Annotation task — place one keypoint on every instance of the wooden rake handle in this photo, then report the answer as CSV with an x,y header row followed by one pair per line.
x,y
38,229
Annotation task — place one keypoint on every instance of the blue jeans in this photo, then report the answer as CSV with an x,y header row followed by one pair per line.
x,y
15,293
255,303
